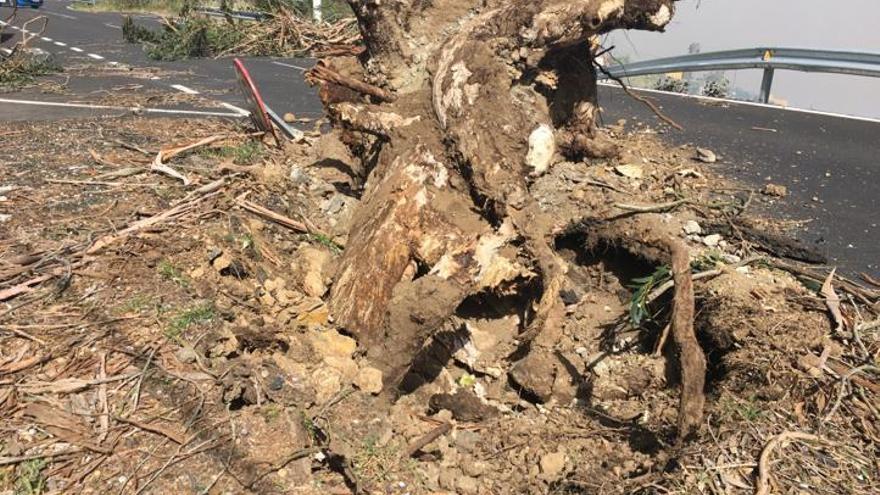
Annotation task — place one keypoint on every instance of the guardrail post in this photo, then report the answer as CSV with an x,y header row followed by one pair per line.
x,y
766,84
316,10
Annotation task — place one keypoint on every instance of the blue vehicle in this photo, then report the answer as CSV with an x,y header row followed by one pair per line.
x,y
34,4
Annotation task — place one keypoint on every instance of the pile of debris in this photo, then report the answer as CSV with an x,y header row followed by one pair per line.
x,y
280,33
20,65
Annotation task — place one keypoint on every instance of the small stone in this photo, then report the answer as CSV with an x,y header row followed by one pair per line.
x,y
448,477
330,343
369,380
475,468
289,118
552,465
692,227
344,365
221,262
327,383
712,240
630,171
309,266
534,374
185,355
467,484
776,190
706,156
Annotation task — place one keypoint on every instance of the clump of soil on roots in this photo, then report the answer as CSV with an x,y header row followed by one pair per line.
x,y
199,355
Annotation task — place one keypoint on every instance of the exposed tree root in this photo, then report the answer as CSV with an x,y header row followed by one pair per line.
x,y
469,103
693,361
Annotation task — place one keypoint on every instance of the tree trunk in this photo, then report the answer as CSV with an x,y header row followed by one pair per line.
x,y
485,93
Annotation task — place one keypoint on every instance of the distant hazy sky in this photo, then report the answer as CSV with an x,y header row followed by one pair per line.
x,y
728,24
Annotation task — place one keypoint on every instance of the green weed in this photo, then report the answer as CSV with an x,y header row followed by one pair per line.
x,y
196,315
325,241
30,478
638,308
243,154
136,304
171,273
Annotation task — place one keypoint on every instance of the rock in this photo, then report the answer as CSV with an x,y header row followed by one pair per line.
x,y
330,343
712,240
369,380
474,467
466,440
327,382
630,171
691,227
706,156
542,146
776,190
467,484
345,365
185,355
553,465
448,477
228,266
289,118
489,342
464,405
535,374
309,267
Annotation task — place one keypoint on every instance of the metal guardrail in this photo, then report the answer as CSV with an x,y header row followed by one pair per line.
x,y
768,59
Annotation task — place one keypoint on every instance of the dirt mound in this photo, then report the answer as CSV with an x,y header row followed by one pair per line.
x,y
195,352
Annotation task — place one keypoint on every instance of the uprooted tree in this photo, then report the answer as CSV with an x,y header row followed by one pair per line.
x,y
453,110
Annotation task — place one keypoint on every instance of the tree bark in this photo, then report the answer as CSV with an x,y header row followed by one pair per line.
x,y
485,93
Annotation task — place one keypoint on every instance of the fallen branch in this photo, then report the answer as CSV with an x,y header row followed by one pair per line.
x,y
322,72
278,218
159,430
166,154
5,461
428,438
763,485
636,97
165,216
693,361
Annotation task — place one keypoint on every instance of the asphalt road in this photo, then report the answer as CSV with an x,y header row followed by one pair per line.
x,y
77,38
829,164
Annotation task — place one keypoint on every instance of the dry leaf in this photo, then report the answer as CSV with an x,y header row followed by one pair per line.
x,y
832,301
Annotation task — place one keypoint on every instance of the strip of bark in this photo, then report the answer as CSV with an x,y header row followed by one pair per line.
x,y
693,362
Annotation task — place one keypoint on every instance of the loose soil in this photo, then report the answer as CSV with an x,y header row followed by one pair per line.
x,y
197,354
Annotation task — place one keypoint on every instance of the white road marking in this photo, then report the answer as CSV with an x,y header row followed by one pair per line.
x,y
108,107
748,103
77,50
96,56
47,39
182,88
59,43
114,26
59,15
15,27
238,110
291,66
